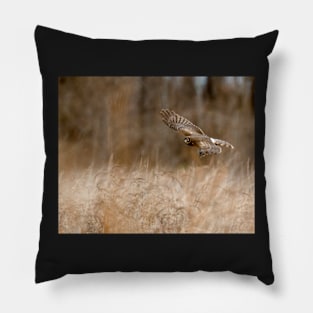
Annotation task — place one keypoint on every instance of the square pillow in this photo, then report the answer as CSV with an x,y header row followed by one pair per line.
x,y
154,155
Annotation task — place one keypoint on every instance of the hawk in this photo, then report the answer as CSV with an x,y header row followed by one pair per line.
x,y
194,135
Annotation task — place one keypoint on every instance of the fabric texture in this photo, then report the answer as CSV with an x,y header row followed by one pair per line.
x,y
67,59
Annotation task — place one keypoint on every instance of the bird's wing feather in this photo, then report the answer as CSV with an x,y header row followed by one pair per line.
x,y
222,143
180,123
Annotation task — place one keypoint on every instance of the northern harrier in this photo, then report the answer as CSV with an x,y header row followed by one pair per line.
x,y
194,135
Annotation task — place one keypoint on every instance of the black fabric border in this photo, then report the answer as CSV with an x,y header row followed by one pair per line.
x,y
62,54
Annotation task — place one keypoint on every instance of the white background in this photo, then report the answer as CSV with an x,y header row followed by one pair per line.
x,y
288,157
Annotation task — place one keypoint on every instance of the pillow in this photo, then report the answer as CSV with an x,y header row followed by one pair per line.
x,y
154,155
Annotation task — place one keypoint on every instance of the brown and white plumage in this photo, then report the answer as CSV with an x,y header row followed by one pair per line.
x,y
194,135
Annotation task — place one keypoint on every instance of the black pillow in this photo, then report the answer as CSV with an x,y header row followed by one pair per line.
x,y
154,155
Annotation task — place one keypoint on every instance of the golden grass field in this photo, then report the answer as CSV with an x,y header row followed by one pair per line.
x,y
213,198
121,170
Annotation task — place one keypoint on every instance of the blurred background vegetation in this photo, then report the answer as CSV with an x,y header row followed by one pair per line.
x,y
118,117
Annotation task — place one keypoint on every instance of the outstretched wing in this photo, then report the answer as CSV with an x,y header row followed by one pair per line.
x,y
222,143
179,123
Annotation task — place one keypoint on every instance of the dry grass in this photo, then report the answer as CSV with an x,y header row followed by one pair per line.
x,y
212,198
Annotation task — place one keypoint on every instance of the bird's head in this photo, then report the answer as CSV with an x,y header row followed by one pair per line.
x,y
188,141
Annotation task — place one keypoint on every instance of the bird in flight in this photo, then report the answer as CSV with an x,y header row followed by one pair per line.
x,y
194,135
